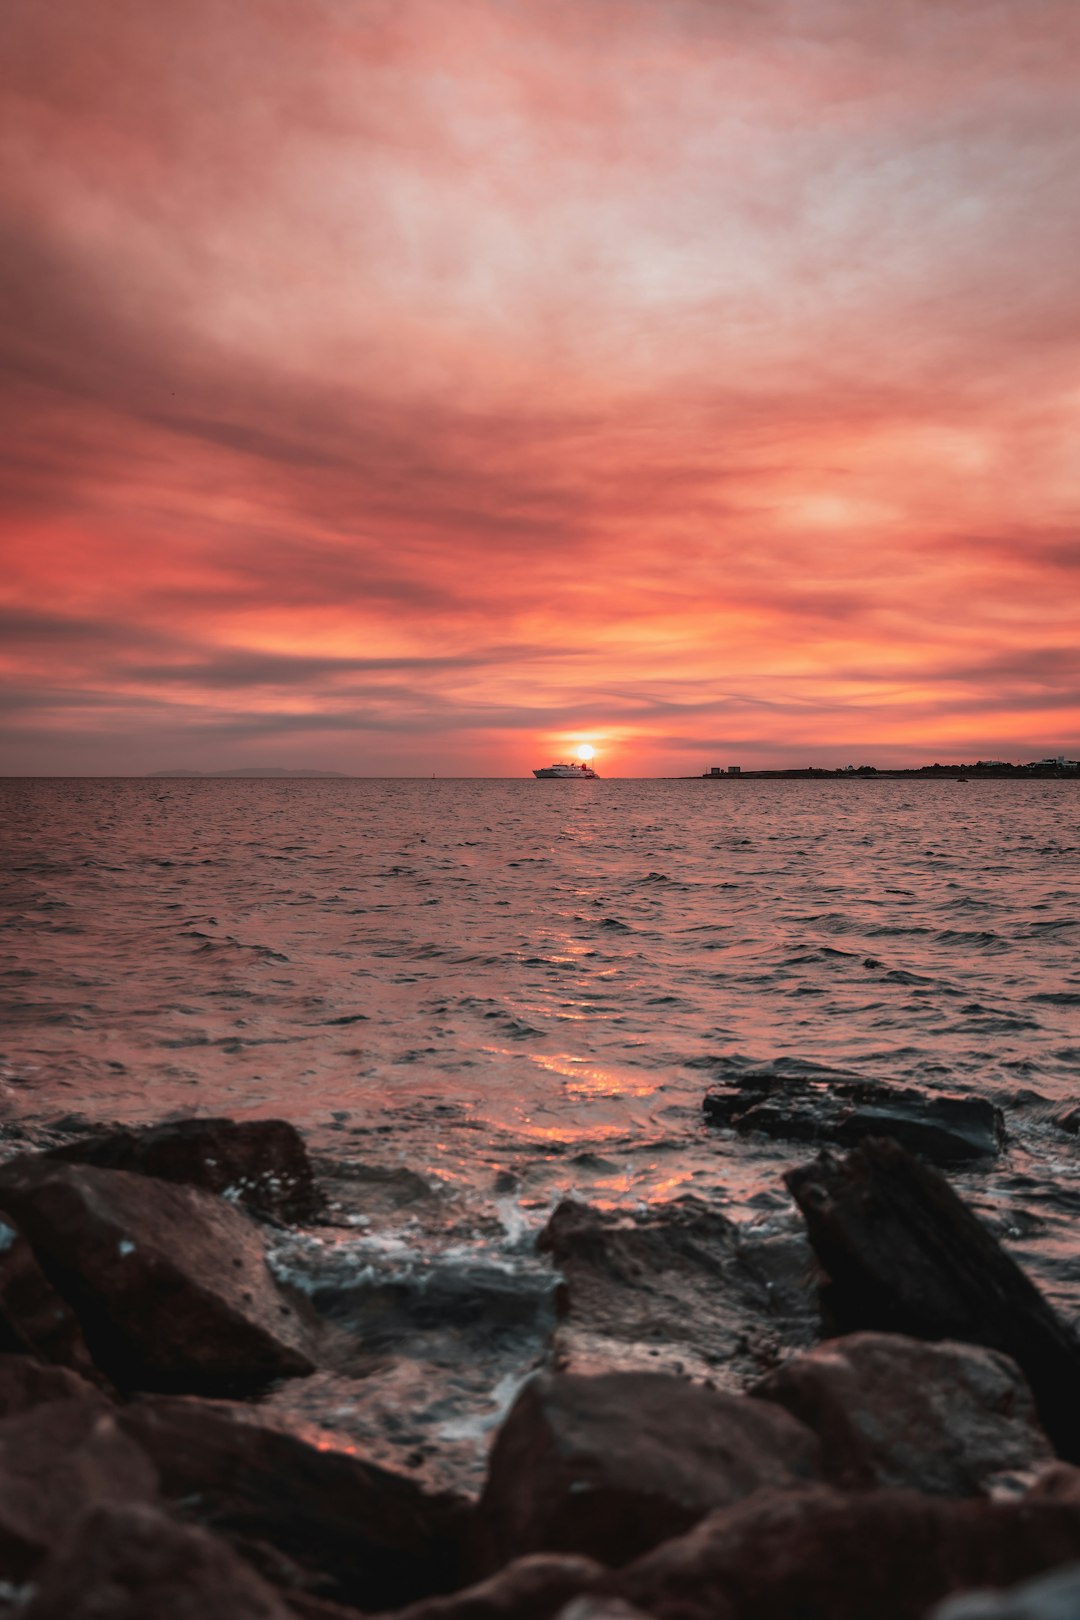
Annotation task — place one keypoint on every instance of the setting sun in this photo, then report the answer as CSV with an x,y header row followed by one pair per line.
x,y
586,751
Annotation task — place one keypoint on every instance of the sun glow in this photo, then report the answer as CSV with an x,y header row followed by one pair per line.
x,y
585,751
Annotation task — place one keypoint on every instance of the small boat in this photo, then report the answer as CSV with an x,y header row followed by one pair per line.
x,y
580,772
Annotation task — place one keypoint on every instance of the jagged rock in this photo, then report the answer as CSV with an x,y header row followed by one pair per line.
x,y
55,1460
25,1384
1048,1597
890,1410
823,1554
530,1588
355,1533
170,1284
904,1254
945,1130
132,1562
260,1163
679,1289
34,1319
609,1466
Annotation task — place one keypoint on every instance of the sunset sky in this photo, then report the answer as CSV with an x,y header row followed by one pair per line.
x,y
412,386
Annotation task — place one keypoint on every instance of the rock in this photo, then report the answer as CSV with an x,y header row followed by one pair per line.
x,y
1048,1597
260,1163
600,1608
352,1532
55,1460
612,1465
530,1588
34,1319
904,1254
894,1411
822,1554
946,1130
132,1562
25,1384
678,1289
170,1284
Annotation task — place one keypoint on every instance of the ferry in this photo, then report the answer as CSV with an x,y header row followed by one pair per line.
x,y
580,772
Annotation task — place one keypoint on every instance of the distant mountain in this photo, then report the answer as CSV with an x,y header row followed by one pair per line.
x,y
250,770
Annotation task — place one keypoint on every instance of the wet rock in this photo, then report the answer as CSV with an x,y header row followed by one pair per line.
x,y
904,1254
679,1289
1048,1597
260,1163
132,1562
895,1411
170,1284
531,1588
945,1130
823,1554
600,1608
34,1319
355,1533
612,1465
54,1461
25,1383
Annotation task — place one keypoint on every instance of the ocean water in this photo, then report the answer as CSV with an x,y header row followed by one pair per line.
x,y
522,989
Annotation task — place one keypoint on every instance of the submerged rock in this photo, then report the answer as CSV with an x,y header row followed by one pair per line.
x,y
330,1522
170,1284
132,1562
260,1163
612,1465
54,1461
893,1411
904,1254
824,1554
839,1111
678,1289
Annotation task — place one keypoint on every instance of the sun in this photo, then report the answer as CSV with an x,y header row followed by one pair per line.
x,y
586,751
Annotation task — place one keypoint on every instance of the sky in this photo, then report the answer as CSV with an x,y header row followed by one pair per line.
x,y
436,386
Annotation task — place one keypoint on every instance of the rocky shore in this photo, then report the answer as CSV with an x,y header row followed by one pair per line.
x,y
874,1416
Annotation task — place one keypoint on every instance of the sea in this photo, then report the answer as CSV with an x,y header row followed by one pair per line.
x,y
513,992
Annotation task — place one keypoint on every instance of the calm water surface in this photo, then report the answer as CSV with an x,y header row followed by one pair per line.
x,y
525,988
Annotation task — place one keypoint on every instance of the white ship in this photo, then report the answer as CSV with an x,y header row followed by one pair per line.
x,y
580,772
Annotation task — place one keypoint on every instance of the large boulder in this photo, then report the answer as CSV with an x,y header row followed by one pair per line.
x,y
34,1319
338,1526
842,1111
56,1460
260,1163
132,1562
895,1411
904,1254
1049,1597
609,1466
25,1384
678,1289
170,1284
823,1554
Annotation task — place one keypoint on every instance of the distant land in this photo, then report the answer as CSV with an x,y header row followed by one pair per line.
x,y
250,770
982,770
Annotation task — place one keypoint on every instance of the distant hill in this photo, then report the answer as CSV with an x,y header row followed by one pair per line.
x,y
250,770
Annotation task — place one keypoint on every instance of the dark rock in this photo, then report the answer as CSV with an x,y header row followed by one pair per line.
x,y
170,1284
904,1254
600,1608
54,1461
612,1465
531,1588
1068,1119
132,1562
34,1319
820,1554
25,1384
357,1533
946,1130
260,1163
1048,1597
678,1289
894,1411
